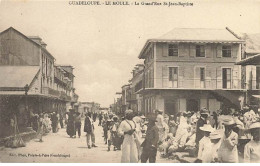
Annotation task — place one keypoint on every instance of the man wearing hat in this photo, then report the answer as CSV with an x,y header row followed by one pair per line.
x,y
89,129
204,113
228,152
205,145
252,148
150,143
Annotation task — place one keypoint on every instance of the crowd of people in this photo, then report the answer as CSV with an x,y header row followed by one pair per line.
x,y
225,136
220,136
44,123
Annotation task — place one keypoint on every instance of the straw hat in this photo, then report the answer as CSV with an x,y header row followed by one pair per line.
x,y
204,111
129,111
143,117
254,125
216,134
115,118
160,111
228,121
207,127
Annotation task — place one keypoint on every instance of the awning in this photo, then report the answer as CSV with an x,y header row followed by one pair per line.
x,y
253,60
227,96
15,77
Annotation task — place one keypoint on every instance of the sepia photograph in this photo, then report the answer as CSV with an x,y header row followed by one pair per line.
x,y
130,81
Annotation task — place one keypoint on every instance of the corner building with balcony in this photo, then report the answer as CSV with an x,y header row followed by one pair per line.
x,y
187,69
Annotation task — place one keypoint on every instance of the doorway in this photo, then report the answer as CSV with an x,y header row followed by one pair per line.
x,y
192,105
171,107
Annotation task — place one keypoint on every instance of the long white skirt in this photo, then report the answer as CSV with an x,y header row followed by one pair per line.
x,y
129,150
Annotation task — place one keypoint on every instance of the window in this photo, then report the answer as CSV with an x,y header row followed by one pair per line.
x,y
173,49
200,51
226,51
202,77
173,76
226,78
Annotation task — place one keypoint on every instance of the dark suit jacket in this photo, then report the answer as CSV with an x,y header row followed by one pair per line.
x,y
199,133
151,138
87,127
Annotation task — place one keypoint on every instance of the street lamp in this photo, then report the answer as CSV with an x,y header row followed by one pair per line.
x,y
26,89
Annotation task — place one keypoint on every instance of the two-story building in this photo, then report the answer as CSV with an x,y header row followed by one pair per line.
x,y
30,81
187,69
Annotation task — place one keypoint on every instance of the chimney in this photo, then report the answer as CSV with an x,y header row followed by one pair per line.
x,y
36,39
44,45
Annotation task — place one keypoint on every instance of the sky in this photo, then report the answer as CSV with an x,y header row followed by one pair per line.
x,y
103,42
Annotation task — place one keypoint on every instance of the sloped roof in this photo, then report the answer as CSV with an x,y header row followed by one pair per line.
x,y
253,60
199,34
29,38
17,76
252,42
196,35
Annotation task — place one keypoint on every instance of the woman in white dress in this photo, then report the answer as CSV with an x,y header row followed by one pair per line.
x,y
130,146
252,148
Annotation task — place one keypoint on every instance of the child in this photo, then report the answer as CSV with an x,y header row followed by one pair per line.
x,y
228,152
215,138
205,145
116,140
252,148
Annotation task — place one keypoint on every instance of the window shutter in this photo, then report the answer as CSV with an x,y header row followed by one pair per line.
x,y
192,50
197,77
253,77
208,51
208,77
235,75
219,78
197,72
181,50
234,50
219,51
165,50
181,76
165,76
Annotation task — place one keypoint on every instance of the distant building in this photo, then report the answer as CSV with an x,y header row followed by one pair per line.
x,y
136,83
85,107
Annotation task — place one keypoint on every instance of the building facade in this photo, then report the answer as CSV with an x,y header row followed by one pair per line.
x,y
33,83
188,69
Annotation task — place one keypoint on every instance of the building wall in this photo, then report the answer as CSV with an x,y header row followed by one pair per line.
x,y
15,49
187,52
36,85
204,100
189,67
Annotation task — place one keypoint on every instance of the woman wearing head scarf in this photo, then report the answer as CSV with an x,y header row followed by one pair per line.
x,y
228,152
129,147
252,148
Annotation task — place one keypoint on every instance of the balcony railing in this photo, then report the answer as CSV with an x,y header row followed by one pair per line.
x,y
59,94
201,84
131,97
